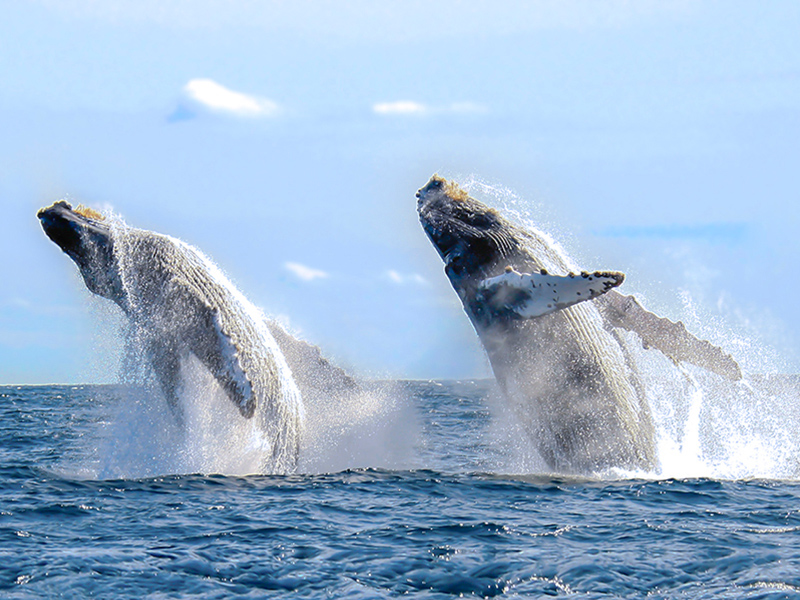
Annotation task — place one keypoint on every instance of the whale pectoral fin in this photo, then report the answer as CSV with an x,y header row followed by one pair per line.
x,y
166,364
669,337
202,333
218,352
524,296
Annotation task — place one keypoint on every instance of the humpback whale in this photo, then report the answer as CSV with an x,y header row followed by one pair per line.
x,y
180,304
552,336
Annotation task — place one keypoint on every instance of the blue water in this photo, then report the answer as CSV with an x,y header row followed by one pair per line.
x,y
444,523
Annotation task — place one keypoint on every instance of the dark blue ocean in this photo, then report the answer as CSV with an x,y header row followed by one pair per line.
x,y
427,510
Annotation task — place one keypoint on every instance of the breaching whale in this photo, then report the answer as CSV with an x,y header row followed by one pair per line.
x,y
559,358
180,304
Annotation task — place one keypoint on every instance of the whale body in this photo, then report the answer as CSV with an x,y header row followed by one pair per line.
x,y
179,304
551,336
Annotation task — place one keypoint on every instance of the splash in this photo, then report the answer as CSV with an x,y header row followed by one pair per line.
x,y
706,426
346,423
373,426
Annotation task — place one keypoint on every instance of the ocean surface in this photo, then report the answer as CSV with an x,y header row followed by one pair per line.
x,y
435,503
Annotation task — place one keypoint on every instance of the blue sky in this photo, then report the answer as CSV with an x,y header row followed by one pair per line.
x,y
286,140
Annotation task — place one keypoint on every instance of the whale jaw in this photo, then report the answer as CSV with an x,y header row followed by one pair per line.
x,y
64,227
87,240
472,239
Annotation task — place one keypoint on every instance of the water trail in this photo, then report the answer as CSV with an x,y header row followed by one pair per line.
x,y
706,426
679,439
691,435
142,438
714,428
375,426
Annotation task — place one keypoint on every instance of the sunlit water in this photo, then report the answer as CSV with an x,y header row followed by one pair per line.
x,y
437,512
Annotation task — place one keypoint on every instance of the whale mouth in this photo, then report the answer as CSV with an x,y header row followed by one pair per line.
x,y
69,228
62,227
84,236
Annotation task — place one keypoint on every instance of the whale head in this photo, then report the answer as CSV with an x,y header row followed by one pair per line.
x,y
471,237
490,261
87,239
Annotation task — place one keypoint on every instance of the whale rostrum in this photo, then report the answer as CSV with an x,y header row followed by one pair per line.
x,y
553,336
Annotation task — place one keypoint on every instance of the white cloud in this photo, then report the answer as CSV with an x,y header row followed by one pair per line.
x,y
394,276
213,96
409,107
305,273
400,107
403,279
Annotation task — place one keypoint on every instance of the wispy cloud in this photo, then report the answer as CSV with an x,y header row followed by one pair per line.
x,y
304,272
212,96
413,108
17,302
404,279
399,107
